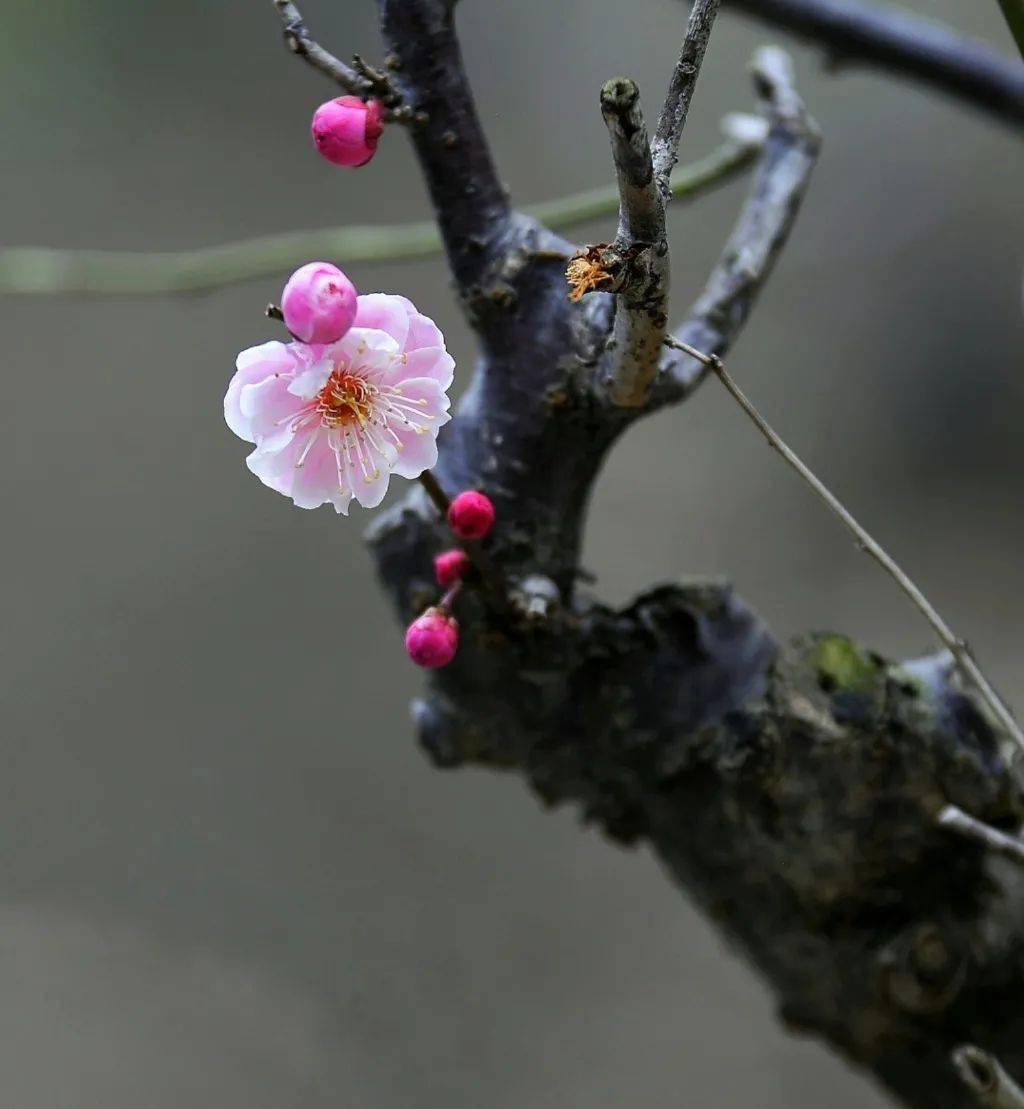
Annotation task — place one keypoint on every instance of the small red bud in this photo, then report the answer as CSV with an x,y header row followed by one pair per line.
x,y
471,515
346,130
450,567
432,639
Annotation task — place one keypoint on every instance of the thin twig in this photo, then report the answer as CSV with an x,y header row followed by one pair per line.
x,y
984,1076
905,44
641,209
300,42
956,646
680,91
780,181
640,249
956,820
44,270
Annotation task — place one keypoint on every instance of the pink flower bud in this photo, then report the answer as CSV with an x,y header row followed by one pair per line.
x,y
346,130
318,303
450,567
432,639
471,515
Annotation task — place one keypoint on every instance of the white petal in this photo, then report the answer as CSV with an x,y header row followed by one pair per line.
x,y
310,380
386,313
370,491
316,480
423,332
268,406
253,366
432,362
418,453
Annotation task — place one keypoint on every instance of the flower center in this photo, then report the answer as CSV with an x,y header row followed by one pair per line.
x,y
345,399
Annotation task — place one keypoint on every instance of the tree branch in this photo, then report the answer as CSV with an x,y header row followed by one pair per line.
x,y
680,90
300,42
639,256
867,543
780,181
791,792
636,266
472,208
908,45
983,1074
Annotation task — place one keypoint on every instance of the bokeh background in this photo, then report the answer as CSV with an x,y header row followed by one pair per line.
x,y
227,876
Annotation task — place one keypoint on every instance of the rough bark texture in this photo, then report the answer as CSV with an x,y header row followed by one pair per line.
x,y
792,792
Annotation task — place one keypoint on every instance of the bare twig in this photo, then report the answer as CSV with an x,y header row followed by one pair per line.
x,y
641,209
956,820
680,91
780,181
45,270
906,44
640,251
299,41
954,644
637,267
983,1074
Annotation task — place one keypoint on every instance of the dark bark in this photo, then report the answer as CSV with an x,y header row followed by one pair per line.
x,y
792,792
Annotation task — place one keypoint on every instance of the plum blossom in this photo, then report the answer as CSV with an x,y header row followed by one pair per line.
x,y
332,422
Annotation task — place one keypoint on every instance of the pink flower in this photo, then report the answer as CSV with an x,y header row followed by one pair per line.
x,y
318,303
346,130
332,423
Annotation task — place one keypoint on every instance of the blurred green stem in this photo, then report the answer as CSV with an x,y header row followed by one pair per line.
x,y
103,272
1013,13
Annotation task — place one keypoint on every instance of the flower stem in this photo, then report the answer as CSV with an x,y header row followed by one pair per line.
x,y
43,270
434,491
446,602
956,646
491,577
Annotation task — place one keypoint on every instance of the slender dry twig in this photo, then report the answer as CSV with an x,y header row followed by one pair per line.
x,y
956,646
299,41
680,91
906,44
983,1075
956,820
780,181
637,267
45,270
640,251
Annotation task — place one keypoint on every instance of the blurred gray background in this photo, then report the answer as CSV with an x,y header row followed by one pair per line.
x,y
227,876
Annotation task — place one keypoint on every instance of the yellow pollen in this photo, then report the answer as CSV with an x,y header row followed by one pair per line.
x,y
345,399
